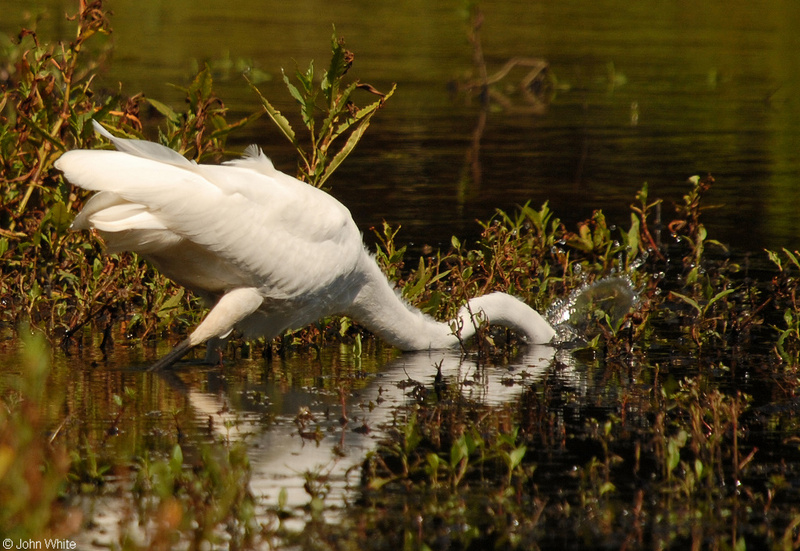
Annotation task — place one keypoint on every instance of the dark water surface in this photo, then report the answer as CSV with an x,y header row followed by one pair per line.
x,y
646,92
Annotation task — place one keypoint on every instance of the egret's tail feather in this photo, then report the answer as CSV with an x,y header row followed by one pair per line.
x,y
145,149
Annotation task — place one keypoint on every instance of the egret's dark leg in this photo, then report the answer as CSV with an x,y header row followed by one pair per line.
x,y
173,356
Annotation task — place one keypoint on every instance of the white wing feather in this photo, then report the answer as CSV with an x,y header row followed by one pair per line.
x,y
246,218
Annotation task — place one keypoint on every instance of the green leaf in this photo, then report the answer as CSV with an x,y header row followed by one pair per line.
x,y
411,435
280,121
515,456
411,291
691,302
698,468
307,79
36,129
59,216
35,291
295,93
632,240
773,256
785,356
176,461
433,462
376,483
340,64
228,128
791,257
674,446
170,304
353,139
341,155
718,296
607,487
337,110
201,87
164,109
459,451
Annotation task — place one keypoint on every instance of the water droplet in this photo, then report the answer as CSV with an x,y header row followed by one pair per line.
x,y
638,262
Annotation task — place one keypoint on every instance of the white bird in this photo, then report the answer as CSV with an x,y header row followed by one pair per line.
x,y
268,251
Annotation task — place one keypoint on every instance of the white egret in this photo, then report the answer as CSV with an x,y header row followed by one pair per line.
x,y
268,251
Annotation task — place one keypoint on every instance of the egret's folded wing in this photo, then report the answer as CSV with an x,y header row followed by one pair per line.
x,y
289,236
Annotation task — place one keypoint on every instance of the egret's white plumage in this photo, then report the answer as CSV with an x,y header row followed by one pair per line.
x,y
268,251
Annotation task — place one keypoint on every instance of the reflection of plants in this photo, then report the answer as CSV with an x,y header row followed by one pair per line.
x,y
596,479
686,450
194,502
536,84
33,470
40,478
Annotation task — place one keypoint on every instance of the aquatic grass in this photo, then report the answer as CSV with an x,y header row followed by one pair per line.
x,y
695,462
784,295
692,446
676,439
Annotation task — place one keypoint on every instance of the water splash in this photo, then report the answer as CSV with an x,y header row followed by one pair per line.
x,y
574,316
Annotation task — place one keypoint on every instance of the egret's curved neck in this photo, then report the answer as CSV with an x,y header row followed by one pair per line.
x,y
503,309
379,308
